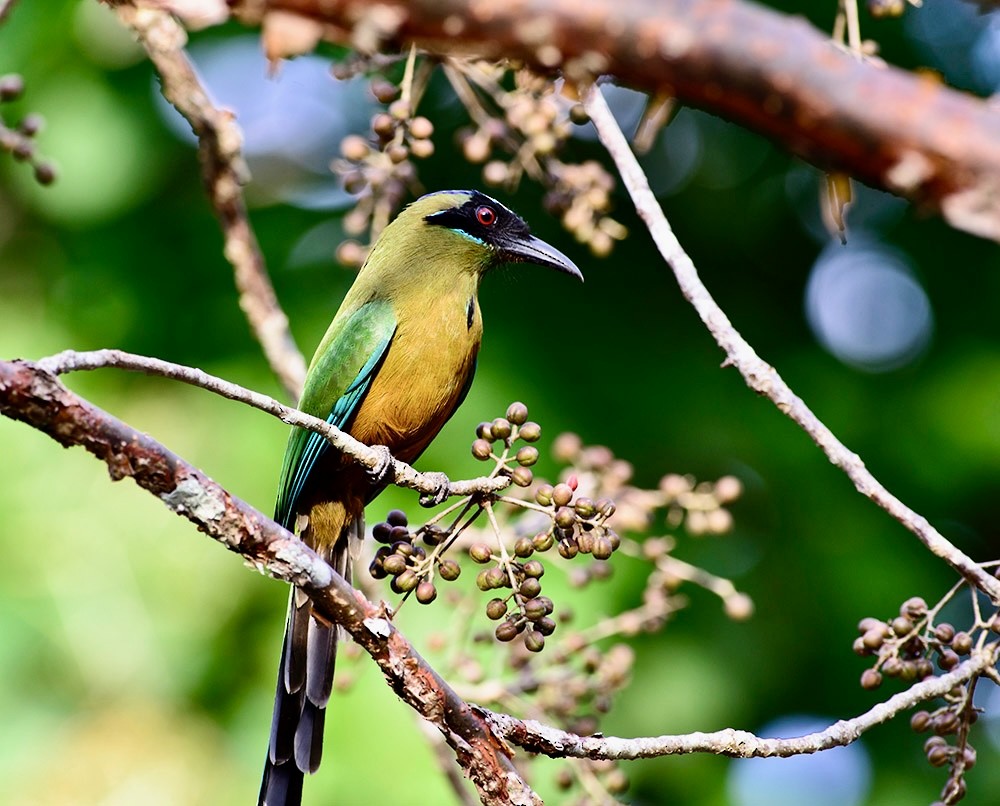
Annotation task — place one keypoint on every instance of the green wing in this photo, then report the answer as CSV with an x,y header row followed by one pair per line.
x,y
341,373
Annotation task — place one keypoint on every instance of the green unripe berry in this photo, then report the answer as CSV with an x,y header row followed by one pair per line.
x,y
562,494
870,679
481,449
533,568
568,549
496,609
527,455
522,476
530,432
500,428
534,609
530,588
543,541
603,548
426,592
497,577
585,507
506,631
534,641
483,581
407,581
449,570
524,547
543,495
480,553
565,517
394,564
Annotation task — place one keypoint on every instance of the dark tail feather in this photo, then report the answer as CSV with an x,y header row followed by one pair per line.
x,y
305,680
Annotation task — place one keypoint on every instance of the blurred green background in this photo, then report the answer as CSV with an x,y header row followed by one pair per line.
x,y
137,657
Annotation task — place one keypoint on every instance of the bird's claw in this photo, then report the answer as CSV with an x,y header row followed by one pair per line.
x,y
382,473
440,495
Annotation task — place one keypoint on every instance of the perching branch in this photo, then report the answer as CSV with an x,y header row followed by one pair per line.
x,y
760,376
771,73
403,475
537,738
220,144
32,395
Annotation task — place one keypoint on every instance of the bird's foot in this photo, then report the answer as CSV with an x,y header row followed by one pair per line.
x,y
440,495
382,473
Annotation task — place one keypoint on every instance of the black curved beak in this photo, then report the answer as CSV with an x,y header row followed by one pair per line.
x,y
529,249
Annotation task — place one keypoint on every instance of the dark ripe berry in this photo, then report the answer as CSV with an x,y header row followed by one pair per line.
x,y
530,588
534,609
565,517
22,150
914,607
568,549
547,603
481,449
480,553
500,428
400,534
893,667
506,631
578,114
564,778
874,638
384,91
612,535
946,723
901,625
524,547
426,592
396,518
534,641
944,633
870,679
383,125
522,476
394,564
449,570
530,432
947,660
924,669
382,532
603,548
483,431
543,495
432,535
920,721
860,648
994,624
517,413
376,570
908,671
939,755
533,568
969,756
962,643
867,624
527,455
419,553
584,507
496,609
545,626
934,741
562,494
585,542
407,581
543,541
606,507
496,577
11,87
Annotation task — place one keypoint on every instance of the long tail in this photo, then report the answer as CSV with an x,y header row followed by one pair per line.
x,y
305,679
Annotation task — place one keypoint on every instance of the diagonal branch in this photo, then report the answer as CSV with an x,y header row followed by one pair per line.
x,y
774,74
32,395
403,475
220,144
760,376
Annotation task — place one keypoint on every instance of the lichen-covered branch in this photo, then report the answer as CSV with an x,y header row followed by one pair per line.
x,y
770,72
403,475
220,144
32,395
759,375
538,738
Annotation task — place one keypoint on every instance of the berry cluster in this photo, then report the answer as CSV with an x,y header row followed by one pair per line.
x,y
19,141
403,558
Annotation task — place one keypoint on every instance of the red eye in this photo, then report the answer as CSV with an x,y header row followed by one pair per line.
x,y
486,216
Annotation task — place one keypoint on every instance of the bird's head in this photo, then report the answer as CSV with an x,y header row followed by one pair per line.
x,y
472,231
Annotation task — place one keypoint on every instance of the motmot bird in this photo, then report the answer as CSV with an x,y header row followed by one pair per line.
x,y
395,363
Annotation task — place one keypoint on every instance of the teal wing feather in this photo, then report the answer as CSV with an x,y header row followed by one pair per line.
x,y
341,373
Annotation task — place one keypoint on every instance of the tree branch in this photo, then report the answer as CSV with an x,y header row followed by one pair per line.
x,y
32,395
403,474
772,73
538,738
220,144
760,376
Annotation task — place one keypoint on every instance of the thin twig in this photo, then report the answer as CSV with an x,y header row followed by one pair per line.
x,y
538,738
403,474
760,376
220,144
